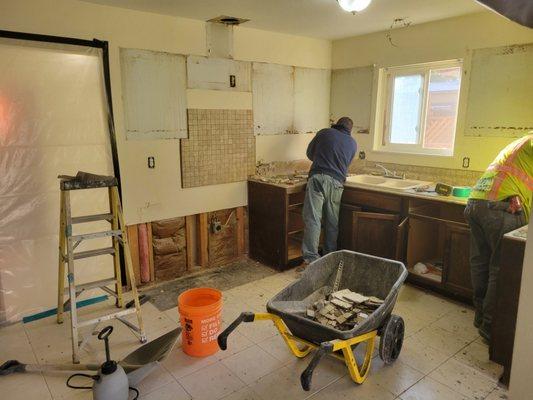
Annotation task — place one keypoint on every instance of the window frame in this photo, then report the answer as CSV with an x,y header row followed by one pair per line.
x,y
384,107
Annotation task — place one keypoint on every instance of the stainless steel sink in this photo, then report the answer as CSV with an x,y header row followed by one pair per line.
x,y
383,182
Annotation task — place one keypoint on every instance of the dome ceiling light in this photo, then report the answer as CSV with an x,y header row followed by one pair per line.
x,y
354,6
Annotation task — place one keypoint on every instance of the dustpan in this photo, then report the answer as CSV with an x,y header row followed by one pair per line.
x,y
137,365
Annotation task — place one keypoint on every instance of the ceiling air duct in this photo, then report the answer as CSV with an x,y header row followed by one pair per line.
x,y
520,11
219,33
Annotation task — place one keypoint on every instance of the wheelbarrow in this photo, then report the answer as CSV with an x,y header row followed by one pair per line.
x,y
361,273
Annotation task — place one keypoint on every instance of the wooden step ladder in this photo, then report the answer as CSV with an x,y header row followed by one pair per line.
x,y
68,242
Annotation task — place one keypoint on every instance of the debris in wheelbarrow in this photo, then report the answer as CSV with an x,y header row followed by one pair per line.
x,y
376,277
343,309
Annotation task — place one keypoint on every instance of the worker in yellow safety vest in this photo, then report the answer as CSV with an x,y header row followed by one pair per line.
x,y
500,202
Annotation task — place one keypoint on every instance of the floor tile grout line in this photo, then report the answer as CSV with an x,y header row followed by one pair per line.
x,y
176,380
440,365
325,387
37,360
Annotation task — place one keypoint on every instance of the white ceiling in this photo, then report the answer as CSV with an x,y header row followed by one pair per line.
x,y
315,18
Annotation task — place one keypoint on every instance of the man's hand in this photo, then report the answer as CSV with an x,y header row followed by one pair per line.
x,y
515,205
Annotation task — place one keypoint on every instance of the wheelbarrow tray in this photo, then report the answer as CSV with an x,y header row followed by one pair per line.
x,y
362,273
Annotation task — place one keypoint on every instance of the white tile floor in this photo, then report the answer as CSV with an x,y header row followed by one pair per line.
x,y
443,357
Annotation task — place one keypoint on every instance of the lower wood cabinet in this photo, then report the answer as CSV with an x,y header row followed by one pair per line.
x,y
505,314
275,223
457,260
377,234
412,231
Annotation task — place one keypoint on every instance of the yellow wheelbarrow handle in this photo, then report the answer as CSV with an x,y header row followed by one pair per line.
x,y
341,349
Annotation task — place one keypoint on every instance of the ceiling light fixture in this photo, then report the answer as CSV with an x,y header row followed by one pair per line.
x,y
353,6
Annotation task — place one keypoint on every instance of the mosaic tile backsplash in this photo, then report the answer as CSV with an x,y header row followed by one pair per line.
x,y
220,147
456,177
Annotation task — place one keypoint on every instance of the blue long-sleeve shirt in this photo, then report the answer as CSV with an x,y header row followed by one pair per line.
x,y
332,150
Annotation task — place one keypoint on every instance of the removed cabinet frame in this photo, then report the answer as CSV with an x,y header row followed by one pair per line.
x,y
154,94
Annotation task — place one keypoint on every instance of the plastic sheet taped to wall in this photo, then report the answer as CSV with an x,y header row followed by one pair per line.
x,y
53,120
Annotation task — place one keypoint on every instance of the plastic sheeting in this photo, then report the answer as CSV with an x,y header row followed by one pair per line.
x,y
53,120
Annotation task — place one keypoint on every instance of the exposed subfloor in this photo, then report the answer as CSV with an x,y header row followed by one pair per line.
x,y
165,295
443,357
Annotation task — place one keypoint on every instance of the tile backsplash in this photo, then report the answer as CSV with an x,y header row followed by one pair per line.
x,y
220,147
457,177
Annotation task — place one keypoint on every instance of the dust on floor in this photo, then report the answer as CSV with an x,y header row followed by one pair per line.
x,y
165,295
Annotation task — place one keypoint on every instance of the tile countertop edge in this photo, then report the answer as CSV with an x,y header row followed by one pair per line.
x,y
407,193
516,234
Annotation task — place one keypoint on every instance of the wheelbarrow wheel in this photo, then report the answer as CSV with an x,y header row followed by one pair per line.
x,y
391,340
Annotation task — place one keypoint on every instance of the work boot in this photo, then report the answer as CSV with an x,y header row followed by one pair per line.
x,y
484,335
302,267
478,320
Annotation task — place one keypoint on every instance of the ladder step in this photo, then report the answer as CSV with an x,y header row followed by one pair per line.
x,y
91,218
95,235
107,317
93,285
94,253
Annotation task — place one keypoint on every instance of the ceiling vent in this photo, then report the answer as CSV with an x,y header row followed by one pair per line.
x,y
220,35
227,20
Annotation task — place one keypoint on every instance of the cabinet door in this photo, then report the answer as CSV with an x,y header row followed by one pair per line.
x,y
457,259
375,234
346,224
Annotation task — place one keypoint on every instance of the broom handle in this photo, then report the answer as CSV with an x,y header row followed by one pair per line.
x,y
61,367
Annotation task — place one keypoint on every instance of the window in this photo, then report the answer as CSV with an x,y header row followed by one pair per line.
x,y
417,108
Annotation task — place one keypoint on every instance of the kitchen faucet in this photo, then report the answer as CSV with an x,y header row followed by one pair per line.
x,y
390,174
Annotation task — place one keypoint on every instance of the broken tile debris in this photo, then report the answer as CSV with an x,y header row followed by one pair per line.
x,y
282,179
342,309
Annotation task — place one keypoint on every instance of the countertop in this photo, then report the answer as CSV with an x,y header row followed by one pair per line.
x,y
399,192
272,181
519,234
410,193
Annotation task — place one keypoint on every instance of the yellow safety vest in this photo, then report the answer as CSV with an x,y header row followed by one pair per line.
x,y
510,174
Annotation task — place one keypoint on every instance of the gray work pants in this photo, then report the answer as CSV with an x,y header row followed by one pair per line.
x,y
488,222
322,199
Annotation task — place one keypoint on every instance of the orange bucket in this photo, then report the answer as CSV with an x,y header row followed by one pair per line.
x,y
200,316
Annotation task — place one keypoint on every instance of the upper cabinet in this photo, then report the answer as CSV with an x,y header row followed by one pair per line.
x,y
154,94
218,74
289,99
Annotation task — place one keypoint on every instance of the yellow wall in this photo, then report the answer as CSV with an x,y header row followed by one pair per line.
x,y
442,40
156,194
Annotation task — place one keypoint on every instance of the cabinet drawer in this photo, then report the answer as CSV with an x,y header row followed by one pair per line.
x,y
372,200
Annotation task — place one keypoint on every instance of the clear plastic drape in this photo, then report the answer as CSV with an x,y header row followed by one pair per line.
x,y
53,121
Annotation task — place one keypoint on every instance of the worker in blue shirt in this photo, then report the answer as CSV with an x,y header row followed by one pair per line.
x,y
331,151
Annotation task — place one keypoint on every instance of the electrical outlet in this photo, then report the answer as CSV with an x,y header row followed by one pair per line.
x,y
232,81
362,155
466,162
216,225
151,162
